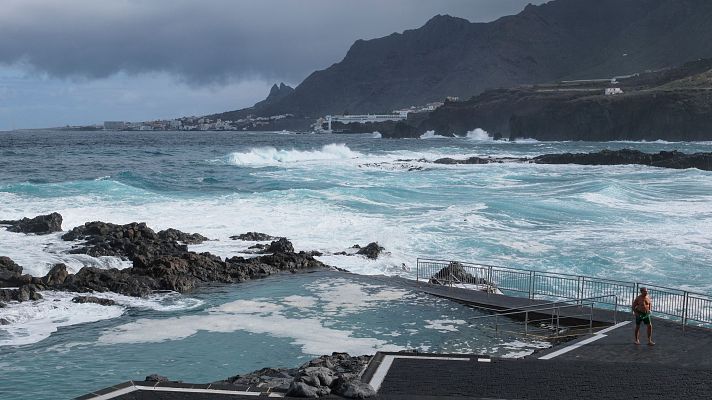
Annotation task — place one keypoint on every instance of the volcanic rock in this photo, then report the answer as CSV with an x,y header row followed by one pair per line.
x,y
171,234
125,241
156,378
282,245
10,272
353,389
337,373
455,272
253,237
301,389
470,160
664,159
56,276
40,225
93,299
372,250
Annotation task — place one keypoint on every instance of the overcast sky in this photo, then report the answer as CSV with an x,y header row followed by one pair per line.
x,y
85,61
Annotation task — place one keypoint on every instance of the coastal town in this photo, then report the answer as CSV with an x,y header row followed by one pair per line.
x,y
255,123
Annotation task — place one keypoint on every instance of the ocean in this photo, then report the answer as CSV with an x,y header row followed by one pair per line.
x,y
325,193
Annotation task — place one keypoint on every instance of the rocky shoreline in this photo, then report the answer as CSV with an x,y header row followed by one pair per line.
x,y
663,159
160,262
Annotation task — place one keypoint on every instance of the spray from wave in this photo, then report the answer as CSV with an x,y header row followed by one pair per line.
x,y
479,135
431,135
266,156
525,141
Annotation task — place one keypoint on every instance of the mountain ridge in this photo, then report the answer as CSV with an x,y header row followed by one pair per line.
x,y
450,56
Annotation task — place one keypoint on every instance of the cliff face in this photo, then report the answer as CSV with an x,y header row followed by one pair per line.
x,y
665,115
671,104
562,39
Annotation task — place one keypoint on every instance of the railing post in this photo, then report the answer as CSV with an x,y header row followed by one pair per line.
x,y
579,291
531,284
684,310
449,270
590,320
417,269
558,320
489,278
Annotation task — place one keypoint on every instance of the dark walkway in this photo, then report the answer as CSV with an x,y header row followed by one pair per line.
x,y
545,380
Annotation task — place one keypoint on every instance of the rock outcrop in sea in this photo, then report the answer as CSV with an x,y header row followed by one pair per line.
x,y
39,225
253,237
663,159
160,262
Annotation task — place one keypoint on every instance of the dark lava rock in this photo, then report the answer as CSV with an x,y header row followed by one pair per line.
x,y
664,159
353,389
279,379
125,241
470,160
161,263
281,245
253,237
95,300
56,276
455,272
40,225
92,279
4,321
372,250
156,378
8,295
24,293
337,373
258,246
171,234
9,272
2,305
301,389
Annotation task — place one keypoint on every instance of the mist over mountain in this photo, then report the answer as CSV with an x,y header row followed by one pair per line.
x,y
450,56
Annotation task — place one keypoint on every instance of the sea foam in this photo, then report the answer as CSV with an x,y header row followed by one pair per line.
x,y
267,156
479,135
431,135
33,321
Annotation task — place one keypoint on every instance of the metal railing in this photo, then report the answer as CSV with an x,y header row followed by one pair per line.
x,y
687,307
548,326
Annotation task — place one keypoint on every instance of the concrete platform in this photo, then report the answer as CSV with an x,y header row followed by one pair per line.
x,y
436,378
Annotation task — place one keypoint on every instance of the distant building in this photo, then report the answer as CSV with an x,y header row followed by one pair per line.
x,y
114,125
613,91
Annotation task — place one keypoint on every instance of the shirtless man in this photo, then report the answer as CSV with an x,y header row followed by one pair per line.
x,y
641,309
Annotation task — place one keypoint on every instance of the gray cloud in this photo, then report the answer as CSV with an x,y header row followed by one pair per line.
x,y
210,41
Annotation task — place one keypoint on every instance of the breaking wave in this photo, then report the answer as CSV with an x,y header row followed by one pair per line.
x,y
479,135
432,135
267,156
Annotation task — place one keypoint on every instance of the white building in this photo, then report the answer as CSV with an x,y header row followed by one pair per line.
x,y
613,91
